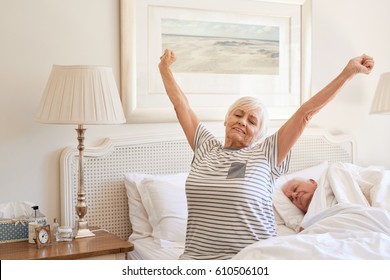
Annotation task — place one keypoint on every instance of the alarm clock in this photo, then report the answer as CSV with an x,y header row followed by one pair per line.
x,y
42,236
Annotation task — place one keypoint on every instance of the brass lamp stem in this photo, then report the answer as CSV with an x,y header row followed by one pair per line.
x,y
81,206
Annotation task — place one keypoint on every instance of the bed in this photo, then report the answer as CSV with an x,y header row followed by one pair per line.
x,y
135,189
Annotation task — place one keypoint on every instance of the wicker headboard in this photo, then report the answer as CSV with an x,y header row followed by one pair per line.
x,y
106,165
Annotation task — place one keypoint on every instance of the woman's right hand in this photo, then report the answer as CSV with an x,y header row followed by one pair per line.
x,y
167,59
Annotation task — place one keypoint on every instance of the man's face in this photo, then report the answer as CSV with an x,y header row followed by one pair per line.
x,y
300,192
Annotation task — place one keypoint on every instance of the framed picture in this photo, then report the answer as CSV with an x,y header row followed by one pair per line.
x,y
225,49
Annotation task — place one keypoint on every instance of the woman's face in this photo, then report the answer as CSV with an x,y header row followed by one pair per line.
x,y
242,127
300,192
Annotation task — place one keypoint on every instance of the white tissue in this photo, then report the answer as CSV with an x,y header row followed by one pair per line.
x,y
14,210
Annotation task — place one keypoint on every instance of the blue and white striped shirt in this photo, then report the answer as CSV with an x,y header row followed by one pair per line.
x,y
229,196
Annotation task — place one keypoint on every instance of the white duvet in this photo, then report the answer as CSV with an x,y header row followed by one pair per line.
x,y
348,218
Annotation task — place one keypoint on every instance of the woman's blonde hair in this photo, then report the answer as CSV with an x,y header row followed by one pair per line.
x,y
251,103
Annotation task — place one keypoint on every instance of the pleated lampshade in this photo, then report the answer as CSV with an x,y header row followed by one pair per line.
x,y
81,94
381,102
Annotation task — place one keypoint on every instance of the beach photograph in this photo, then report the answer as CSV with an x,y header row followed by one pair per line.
x,y
221,48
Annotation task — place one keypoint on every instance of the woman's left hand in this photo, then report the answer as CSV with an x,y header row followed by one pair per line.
x,y
361,64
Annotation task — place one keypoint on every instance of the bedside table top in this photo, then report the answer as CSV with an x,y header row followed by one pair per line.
x,y
103,243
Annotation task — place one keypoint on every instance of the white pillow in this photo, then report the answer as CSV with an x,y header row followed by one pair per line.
x,y
288,212
166,204
139,218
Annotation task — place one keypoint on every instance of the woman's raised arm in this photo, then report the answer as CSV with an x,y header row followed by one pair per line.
x,y
185,115
290,132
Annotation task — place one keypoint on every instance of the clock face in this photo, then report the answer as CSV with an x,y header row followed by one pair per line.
x,y
43,236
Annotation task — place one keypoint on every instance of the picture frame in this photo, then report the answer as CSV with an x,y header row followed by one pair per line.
x,y
215,68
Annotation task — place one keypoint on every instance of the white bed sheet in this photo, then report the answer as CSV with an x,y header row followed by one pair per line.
x,y
147,249
345,231
283,230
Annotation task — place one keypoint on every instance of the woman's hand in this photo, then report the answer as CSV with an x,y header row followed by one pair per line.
x,y
167,59
361,64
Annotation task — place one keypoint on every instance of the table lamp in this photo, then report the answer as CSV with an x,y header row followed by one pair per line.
x,y
81,95
381,102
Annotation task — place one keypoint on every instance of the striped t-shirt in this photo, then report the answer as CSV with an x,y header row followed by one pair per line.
x,y
229,196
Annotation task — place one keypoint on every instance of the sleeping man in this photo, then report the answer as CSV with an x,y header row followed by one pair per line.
x,y
343,214
343,183
300,192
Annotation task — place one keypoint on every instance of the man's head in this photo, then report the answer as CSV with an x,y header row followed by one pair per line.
x,y
300,192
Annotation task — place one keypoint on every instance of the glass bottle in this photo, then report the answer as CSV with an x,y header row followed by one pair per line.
x,y
54,229
38,216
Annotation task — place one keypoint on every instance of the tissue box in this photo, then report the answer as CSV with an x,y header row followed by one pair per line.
x,y
12,230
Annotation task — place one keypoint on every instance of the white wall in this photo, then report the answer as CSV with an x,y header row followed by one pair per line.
x,y
36,34
341,29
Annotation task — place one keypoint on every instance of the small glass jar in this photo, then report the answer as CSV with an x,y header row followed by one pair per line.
x,y
64,233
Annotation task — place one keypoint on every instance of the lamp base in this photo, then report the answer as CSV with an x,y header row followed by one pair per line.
x,y
83,230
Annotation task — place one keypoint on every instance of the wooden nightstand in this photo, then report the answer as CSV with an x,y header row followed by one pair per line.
x,y
104,245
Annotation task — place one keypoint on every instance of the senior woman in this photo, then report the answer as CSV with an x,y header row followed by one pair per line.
x,y
230,185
